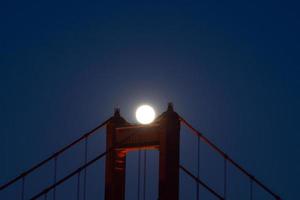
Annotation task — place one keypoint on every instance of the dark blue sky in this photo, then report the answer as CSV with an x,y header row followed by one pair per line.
x,y
230,68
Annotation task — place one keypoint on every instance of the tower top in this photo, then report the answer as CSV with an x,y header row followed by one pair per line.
x,y
170,107
117,112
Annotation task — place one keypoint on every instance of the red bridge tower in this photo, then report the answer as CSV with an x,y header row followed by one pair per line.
x,y
163,135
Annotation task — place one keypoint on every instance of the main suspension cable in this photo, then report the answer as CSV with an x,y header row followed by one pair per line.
x,y
67,177
222,153
201,182
25,173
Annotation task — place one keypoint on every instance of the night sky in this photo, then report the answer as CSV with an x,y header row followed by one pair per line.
x,y
230,68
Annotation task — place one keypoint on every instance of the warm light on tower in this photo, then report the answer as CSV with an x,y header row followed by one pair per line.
x,y
145,114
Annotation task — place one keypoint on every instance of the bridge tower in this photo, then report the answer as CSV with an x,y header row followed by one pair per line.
x,y
162,135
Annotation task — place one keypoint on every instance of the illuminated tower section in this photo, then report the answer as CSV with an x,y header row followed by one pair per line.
x,y
162,135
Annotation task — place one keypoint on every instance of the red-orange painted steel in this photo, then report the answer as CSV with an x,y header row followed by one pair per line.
x,y
163,135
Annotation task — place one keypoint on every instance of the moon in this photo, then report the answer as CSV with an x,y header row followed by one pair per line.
x,y
145,114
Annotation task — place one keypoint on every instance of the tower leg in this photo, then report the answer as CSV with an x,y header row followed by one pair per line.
x,y
169,159
115,176
115,167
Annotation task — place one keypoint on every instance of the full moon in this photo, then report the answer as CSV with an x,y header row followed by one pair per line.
x,y
145,114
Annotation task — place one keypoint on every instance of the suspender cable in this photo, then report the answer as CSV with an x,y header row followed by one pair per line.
x,y
139,174
78,185
145,174
229,159
45,197
55,177
53,156
251,189
225,178
185,170
84,172
73,173
198,166
23,188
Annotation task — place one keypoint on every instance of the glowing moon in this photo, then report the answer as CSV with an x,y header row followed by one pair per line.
x,y
145,114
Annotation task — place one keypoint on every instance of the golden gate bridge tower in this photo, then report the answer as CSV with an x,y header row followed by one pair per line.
x,y
162,135
122,137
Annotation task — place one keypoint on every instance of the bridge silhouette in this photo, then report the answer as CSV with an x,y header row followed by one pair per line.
x,y
122,137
